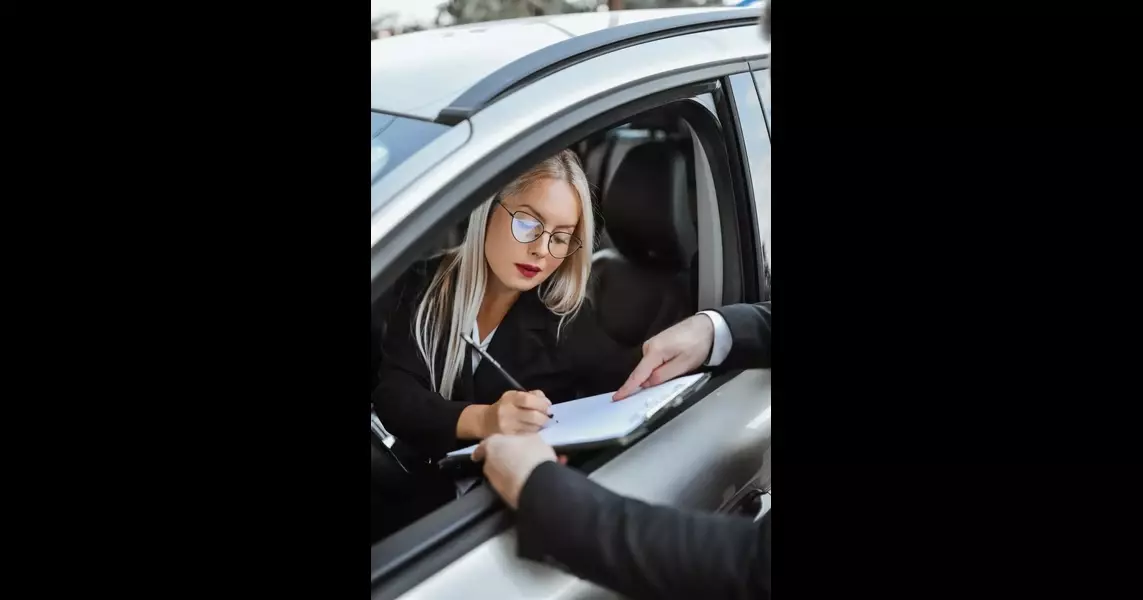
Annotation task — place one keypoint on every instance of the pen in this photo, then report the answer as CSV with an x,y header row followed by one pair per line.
x,y
475,346
511,380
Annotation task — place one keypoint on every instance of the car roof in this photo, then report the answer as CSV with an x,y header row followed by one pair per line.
x,y
424,73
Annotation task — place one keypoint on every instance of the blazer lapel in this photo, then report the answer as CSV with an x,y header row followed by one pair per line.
x,y
467,388
519,345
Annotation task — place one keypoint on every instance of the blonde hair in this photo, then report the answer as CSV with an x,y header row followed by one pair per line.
x,y
453,298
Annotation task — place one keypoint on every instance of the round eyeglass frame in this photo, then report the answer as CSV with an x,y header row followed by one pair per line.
x,y
542,232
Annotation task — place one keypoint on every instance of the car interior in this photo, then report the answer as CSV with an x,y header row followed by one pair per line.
x,y
657,260
645,268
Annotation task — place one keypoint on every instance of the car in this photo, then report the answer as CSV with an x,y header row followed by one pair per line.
x,y
669,111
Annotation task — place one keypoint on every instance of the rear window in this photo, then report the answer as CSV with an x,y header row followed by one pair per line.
x,y
394,139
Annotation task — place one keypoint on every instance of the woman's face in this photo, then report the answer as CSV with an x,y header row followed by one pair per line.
x,y
548,204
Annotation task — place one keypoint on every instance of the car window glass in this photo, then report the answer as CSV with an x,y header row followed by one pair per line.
x,y
395,138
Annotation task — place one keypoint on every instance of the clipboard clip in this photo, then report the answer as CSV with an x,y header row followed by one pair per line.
x,y
387,440
383,436
673,398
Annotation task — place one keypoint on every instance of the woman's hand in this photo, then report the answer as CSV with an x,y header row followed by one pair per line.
x,y
517,412
514,413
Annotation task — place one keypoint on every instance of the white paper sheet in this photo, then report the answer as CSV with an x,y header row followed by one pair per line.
x,y
597,418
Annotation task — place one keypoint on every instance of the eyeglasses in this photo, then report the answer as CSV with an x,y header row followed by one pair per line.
x,y
527,229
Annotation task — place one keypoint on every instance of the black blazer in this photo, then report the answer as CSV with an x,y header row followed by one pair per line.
x,y
750,334
584,361
645,551
637,549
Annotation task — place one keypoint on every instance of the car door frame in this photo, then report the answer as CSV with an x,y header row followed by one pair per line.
x,y
753,157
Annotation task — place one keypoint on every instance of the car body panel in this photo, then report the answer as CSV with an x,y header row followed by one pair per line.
x,y
723,437
458,57
516,113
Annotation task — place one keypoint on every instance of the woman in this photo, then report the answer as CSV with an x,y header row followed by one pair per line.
x,y
516,285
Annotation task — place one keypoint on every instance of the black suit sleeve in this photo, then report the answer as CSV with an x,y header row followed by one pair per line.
x,y
750,333
636,549
404,399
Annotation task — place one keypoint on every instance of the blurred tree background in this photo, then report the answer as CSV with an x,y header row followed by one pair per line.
x,y
458,12
475,11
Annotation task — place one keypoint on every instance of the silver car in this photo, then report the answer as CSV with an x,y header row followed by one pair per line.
x,y
669,111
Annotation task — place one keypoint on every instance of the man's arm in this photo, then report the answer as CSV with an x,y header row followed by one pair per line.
x,y
736,337
636,549
749,329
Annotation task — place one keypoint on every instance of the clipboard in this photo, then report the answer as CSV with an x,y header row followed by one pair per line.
x,y
597,422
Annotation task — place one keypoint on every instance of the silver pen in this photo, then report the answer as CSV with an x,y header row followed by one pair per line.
x,y
511,380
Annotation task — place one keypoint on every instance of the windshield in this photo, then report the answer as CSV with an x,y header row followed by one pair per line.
x,y
395,139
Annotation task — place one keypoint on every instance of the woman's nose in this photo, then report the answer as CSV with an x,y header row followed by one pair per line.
x,y
539,246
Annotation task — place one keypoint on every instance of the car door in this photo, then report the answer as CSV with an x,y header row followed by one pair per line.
x,y
752,132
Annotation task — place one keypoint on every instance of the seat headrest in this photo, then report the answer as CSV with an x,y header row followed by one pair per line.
x,y
647,208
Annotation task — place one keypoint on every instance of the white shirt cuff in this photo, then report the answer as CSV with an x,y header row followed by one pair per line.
x,y
722,340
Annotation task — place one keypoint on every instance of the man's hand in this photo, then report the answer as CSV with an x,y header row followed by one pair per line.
x,y
509,460
676,351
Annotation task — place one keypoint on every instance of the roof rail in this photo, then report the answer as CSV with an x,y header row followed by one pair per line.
x,y
582,47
